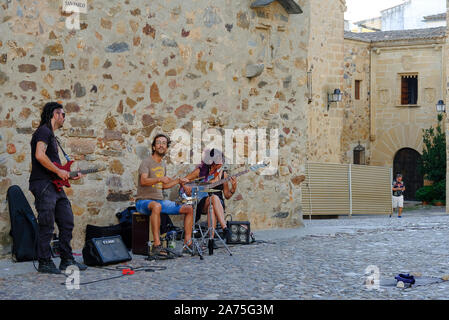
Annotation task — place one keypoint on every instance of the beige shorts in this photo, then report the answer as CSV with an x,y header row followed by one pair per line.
x,y
398,202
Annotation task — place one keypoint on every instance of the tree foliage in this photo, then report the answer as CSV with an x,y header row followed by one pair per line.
x,y
433,161
432,164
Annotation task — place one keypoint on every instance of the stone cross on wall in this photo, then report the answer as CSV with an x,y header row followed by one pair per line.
x,y
270,26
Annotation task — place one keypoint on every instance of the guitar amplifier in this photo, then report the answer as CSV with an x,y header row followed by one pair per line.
x,y
104,251
239,232
141,233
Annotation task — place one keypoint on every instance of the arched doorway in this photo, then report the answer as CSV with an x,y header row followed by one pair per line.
x,y
406,163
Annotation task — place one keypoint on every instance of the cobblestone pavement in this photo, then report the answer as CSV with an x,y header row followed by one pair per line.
x,y
326,259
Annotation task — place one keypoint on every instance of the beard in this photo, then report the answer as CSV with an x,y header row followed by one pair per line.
x,y
160,154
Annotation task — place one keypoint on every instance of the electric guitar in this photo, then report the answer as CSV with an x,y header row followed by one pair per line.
x,y
59,183
200,187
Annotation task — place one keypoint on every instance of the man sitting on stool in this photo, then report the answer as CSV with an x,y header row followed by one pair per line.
x,y
150,200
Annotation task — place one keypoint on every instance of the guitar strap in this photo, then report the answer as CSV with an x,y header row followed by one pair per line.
x,y
59,144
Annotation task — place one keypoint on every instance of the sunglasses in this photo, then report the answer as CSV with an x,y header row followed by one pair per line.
x,y
61,113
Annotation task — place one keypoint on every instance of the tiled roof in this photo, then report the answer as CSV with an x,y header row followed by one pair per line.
x,y
412,34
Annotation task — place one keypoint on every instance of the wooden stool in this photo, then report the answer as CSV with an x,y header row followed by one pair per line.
x,y
141,233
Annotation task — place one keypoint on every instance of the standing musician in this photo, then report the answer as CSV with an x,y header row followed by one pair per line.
x,y
211,169
52,205
150,200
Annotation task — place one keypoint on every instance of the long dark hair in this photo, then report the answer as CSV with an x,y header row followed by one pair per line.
x,y
47,113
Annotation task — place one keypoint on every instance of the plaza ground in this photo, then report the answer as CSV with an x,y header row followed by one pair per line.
x,y
325,259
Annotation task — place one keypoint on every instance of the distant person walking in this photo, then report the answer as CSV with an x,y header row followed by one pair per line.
x,y
398,194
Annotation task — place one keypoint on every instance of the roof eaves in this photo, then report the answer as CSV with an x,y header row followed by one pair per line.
x,y
414,34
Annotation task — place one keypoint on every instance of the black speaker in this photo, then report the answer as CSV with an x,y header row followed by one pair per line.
x,y
104,251
239,232
123,229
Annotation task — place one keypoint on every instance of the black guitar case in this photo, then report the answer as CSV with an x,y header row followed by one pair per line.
x,y
24,227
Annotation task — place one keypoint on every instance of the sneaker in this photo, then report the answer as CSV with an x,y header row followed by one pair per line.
x,y
47,266
66,262
399,216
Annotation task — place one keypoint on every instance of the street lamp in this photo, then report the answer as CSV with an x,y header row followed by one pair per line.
x,y
441,107
333,97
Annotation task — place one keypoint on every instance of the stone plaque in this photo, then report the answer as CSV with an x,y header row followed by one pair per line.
x,y
429,95
384,96
407,62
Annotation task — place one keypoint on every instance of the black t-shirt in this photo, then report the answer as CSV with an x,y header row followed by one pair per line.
x,y
397,184
38,171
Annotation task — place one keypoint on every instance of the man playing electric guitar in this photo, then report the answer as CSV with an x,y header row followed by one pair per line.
x,y
51,205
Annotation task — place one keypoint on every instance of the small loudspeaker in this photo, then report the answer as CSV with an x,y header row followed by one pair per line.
x,y
104,251
239,232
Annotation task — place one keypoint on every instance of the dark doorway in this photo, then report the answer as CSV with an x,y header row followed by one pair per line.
x,y
406,163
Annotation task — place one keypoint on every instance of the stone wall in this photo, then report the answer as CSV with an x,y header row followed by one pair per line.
x,y
356,125
135,68
325,61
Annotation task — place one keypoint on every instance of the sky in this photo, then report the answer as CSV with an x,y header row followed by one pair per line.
x,y
363,9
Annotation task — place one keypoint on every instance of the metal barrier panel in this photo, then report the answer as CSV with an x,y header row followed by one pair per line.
x,y
371,190
343,189
326,189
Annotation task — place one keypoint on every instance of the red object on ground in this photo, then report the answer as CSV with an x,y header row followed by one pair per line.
x,y
127,271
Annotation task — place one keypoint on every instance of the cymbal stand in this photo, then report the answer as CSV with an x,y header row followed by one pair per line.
x,y
211,231
195,245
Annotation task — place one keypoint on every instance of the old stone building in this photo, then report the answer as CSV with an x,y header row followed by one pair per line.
x,y
136,68
393,80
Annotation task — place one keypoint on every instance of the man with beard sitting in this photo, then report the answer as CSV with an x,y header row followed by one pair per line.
x,y
150,200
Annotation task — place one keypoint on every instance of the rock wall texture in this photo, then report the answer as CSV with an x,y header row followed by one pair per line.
x,y
356,123
325,64
135,68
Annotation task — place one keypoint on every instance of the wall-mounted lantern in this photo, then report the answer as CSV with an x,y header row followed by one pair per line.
x,y
333,97
441,107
